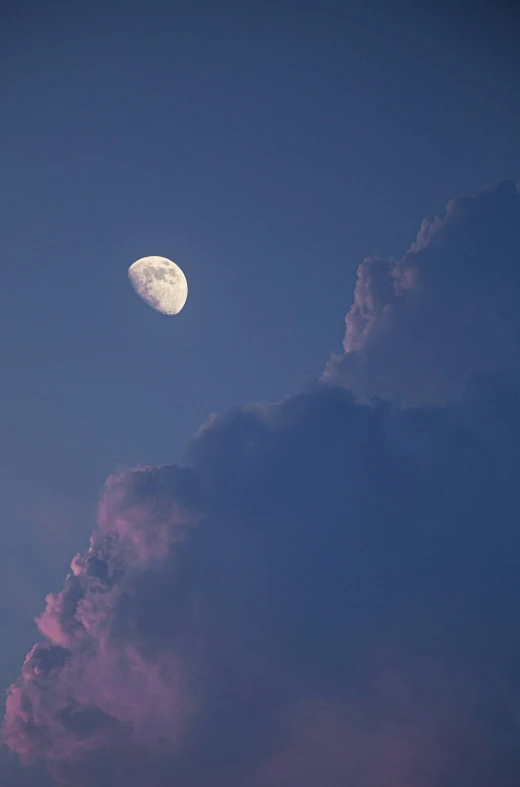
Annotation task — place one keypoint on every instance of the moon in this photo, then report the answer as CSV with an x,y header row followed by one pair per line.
x,y
160,283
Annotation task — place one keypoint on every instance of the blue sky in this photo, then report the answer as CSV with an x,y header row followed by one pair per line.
x,y
267,150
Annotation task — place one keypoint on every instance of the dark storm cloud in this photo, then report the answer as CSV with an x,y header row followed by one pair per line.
x,y
328,593
449,309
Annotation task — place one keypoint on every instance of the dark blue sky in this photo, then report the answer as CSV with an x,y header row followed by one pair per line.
x,y
266,150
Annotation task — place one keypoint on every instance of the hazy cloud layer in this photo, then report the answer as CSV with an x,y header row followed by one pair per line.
x,y
449,309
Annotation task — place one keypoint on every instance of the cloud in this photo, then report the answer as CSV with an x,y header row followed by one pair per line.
x,y
421,326
93,660
328,593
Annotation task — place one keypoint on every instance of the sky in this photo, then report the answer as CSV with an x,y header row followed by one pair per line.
x,y
301,569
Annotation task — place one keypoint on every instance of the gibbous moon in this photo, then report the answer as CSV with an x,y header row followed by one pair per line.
x,y
160,283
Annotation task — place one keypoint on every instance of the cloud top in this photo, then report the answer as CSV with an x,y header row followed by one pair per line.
x,y
421,326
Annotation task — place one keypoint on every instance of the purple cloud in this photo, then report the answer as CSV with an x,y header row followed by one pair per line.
x,y
327,590
92,683
327,593
421,326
